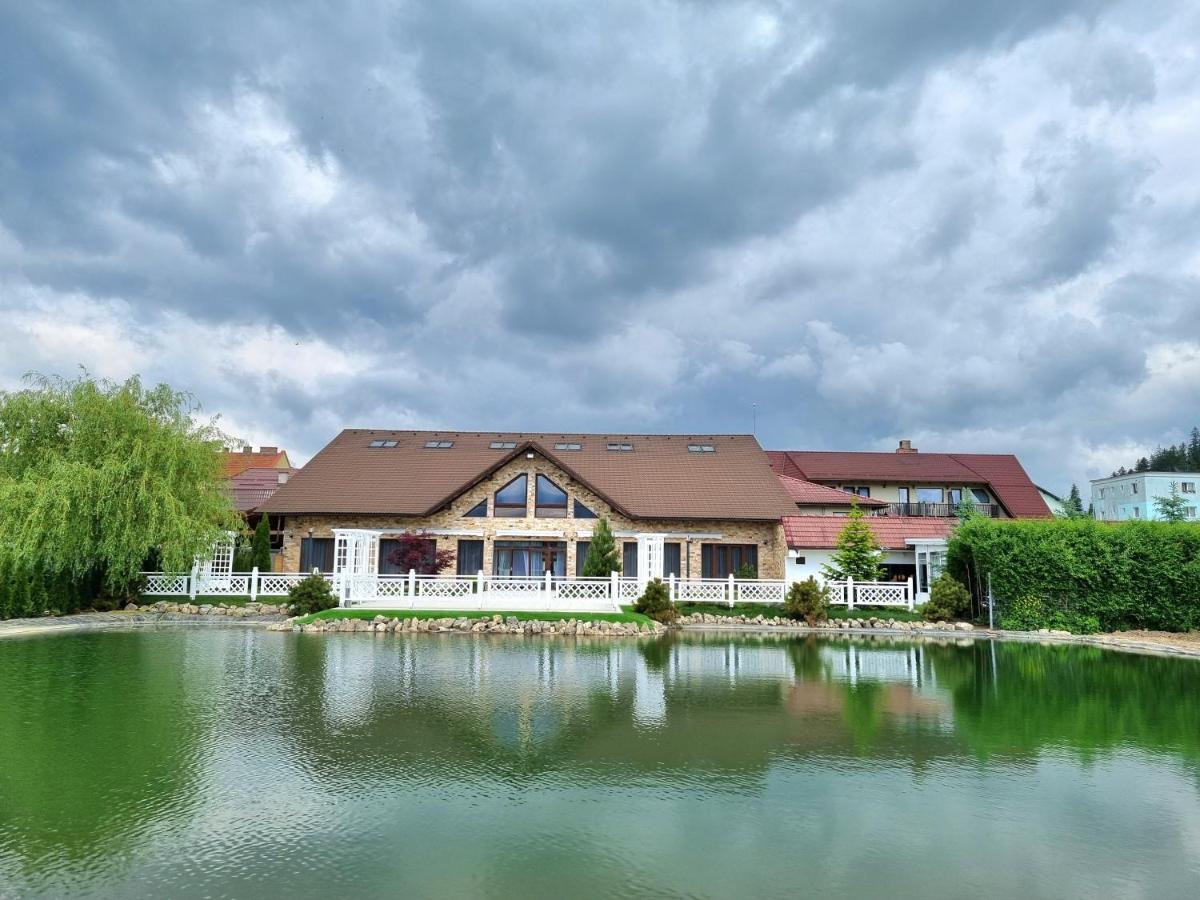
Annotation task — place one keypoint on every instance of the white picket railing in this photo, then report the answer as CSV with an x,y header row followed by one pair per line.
x,y
851,593
528,593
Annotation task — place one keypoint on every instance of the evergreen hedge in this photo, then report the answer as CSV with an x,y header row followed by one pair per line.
x,y
1081,574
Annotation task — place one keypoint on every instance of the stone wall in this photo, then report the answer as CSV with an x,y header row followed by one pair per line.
x,y
772,548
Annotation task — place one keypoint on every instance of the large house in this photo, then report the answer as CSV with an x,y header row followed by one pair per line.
x,y
1131,496
526,504
911,500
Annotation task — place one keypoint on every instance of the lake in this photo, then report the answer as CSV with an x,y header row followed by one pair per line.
x,y
232,762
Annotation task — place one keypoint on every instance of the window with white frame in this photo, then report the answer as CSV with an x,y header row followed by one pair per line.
x,y
1187,487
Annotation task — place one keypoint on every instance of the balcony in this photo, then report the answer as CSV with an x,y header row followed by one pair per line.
x,y
936,510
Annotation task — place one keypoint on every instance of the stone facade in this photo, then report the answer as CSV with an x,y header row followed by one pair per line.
x,y
451,525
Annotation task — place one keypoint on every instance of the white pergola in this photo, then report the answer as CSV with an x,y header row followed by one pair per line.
x,y
930,558
355,562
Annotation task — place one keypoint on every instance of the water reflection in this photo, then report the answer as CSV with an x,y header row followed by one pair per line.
x,y
153,763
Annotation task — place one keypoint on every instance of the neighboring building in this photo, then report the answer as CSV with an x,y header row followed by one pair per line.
x,y
911,501
913,484
1124,497
1055,503
254,475
526,504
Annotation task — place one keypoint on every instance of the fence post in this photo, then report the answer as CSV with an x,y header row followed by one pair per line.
x,y
614,589
412,588
908,593
671,586
254,584
549,587
479,587
192,581
731,590
849,592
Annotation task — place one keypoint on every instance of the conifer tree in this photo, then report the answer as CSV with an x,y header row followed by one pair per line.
x,y
603,555
260,545
858,555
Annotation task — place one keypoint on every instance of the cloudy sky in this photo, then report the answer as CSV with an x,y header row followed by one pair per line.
x,y
969,224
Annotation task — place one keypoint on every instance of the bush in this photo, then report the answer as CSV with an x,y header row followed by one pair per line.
x,y
311,595
745,572
1082,574
243,557
655,602
949,600
260,545
807,600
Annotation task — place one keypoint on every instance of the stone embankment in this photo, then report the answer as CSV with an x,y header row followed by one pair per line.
x,y
864,623
497,624
248,611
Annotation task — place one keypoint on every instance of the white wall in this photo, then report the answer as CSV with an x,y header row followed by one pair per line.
x,y
813,560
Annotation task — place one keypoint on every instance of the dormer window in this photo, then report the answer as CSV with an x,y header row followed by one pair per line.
x,y
512,500
620,446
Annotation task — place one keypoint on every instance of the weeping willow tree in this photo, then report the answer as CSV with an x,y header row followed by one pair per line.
x,y
96,480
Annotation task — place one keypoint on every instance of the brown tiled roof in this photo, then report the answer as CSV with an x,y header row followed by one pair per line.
x,y
237,461
658,479
892,532
1002,473
251,487
806,492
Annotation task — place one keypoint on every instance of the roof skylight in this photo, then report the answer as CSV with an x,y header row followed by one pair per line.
x,y
438,445
379,442
503,445
568,445
621,446
701,448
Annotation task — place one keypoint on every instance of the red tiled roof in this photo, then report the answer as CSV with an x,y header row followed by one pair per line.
x,y
1002,473
237,461
253,486
659,478
807,492
892,532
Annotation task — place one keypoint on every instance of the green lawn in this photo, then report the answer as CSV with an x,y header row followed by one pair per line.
x,y
770,610
627,616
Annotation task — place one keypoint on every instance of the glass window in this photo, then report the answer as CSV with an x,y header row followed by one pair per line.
x,y
387,546
723,560
629,559
671,558
470,557
1187,487
503,445
525,558
902,493
582,512
568,445
550,500
581,552
980,495
701,448
956,496
511,499
478,511
316,553
620,446
438,445
382,443
930,495
861,490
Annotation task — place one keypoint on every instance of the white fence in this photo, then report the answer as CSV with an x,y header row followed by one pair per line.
x,y
851,593
513,593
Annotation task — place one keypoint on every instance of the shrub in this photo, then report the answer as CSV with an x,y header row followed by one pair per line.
x,y
949,600
807,600
745,572
260,545
858,554
243,557
311,595
603,555
655,602
1085,574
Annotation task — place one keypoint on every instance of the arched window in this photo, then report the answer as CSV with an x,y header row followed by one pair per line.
x,y
551,502
512,499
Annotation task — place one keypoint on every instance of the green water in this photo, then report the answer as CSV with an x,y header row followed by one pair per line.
x,y
241,763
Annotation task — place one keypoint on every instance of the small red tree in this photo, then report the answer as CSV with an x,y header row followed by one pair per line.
x,y
415,552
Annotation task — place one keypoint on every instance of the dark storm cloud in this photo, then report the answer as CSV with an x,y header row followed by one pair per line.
x,y
965,222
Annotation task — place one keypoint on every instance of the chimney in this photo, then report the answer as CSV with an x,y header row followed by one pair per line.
x,y
906,447
247,449
265,449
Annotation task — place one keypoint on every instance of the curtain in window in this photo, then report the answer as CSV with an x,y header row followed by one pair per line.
x,y
581,552
470,557
316,553
723,560
671,558
629,559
